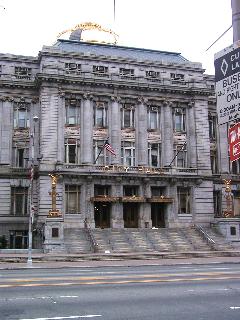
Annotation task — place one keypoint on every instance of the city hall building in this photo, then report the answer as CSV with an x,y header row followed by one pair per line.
x,y
61,111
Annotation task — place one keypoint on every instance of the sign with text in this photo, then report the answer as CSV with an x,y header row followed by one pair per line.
x,y
234,142
227,77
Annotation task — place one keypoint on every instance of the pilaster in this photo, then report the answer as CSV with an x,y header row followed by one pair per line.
x,y
167,140
141,132
115,129
87,129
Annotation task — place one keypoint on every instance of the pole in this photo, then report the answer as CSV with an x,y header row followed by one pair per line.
x,y
30,195
236,19
100,151
177,154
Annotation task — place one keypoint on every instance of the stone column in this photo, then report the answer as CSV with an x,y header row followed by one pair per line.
x,y
6,125
117,208
145,208
141,133
191,137
115,129
89,192
61,117
87,129
167,135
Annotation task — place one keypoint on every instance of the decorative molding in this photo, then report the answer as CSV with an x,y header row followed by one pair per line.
x,y
142,100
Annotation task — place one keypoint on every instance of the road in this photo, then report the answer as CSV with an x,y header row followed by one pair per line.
x,y
148,292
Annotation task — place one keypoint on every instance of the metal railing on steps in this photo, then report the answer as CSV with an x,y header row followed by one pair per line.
x,y
91,237
206,236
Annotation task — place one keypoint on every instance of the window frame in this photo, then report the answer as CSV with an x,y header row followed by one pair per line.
x,y
150,148
69,142
128,146
21,192
179,149
124,110
67,193
18,111
186,193
181,113
103,158
72,104
103,107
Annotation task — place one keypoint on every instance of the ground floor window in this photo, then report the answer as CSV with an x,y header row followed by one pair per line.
x,y
183,196
72,199
19,201
18,239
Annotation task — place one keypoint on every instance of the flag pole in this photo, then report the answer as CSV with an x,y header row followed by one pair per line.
x,y
100,151
177,153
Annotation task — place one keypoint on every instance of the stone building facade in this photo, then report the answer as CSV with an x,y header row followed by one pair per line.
x,y
155,108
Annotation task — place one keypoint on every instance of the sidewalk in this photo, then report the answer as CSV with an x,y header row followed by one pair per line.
x,y
11,261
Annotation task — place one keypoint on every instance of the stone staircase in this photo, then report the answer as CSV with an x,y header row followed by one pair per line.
x,y
76,241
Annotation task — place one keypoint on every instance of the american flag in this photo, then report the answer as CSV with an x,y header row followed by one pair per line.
x,y
109,148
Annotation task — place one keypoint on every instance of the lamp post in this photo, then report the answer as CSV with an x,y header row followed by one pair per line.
x,y
30,193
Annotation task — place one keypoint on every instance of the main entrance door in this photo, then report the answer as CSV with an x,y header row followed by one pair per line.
x,y
102,214
130,215
157,215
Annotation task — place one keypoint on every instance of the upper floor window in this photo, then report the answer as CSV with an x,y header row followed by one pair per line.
x,y
153,118
72,199
23,72
179,119
157,191
21,116
100,153
100,190
126,72
152,74
212,120
72,112
154,154
177,76
100,70
214,162
129,191
100,115
180,154
128,153
73,68
19,203
71,151
183,196
217,201
20,157
235,167
127,116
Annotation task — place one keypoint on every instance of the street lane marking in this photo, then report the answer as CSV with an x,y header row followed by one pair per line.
x,y
68,317
234,308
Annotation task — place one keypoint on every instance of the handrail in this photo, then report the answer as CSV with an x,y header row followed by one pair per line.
x,y
205,236
93,241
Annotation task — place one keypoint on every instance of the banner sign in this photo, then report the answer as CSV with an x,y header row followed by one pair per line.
x,y
234,142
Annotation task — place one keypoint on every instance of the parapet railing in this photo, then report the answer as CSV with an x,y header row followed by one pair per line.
x,y
91,237
205,236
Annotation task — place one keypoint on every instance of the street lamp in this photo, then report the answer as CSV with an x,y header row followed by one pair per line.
x,y
30,193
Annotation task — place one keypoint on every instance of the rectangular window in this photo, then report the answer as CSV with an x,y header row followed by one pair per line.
x,y
19,197
71,151
183,195
154,154
157,191
179,120
127,116
152,74
73,68
101,190
23,73
21,117
180,154
103,158
20,157
100,115
128,153
214,162
72,112
177,76
100,70
72,199
217,203
129,191
126,73
153,118
212,120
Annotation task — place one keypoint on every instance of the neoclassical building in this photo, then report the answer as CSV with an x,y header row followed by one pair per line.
x,y
156,109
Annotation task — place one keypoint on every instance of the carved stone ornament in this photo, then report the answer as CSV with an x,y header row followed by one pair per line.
x,y
115,99
167,103
191,104
142,100
88,96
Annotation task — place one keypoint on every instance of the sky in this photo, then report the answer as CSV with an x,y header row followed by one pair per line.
x,y
185,26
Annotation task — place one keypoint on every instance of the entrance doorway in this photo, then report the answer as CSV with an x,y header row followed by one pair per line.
x,y
157,215
130,215
102,214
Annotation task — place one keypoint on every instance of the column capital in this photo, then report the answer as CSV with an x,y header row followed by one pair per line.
x,y
191,104
167,103
115,99
88,96
142,100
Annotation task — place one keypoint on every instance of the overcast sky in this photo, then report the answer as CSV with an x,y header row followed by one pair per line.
x,y
186,26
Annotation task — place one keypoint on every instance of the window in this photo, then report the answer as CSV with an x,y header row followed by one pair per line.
x,y
72,199
214,162
154,154
183,196
101,190
100,70
71,151
20,157
100,115
23,73
180,154
235,167
128,153
129,191
152,74
212,120
55,232
72,112
157,191
153,118
19,196
21,116
217,203
73,68
126,73
103,158
179,119
177,76
127,116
